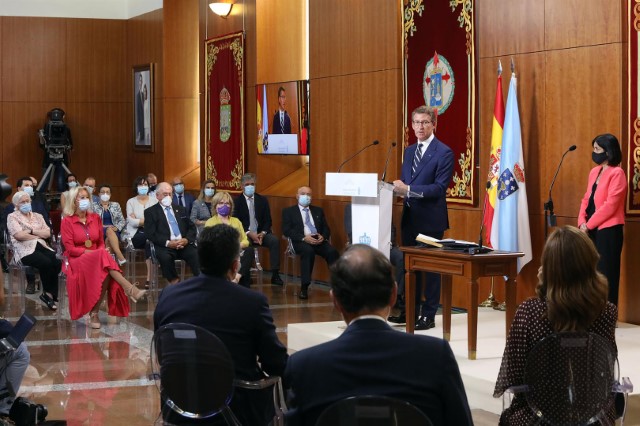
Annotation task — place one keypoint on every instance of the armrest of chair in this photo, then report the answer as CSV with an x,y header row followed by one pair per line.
x,y
290,251
509,393
624,386
279,401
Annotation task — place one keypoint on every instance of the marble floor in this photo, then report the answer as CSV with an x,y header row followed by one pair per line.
x,y
99,377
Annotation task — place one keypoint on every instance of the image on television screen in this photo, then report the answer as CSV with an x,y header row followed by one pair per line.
x,y
283,118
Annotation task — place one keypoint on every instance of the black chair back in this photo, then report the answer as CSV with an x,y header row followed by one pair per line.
x,y
372,411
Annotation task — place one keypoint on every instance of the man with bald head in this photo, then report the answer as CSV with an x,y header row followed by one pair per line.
x,y
309,232
371,358
171,232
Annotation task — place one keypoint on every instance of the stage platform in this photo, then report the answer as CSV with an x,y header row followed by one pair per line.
x,y
479,376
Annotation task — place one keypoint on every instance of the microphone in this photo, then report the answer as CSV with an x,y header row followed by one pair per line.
x,y
548,206
376,142
480,249
386,163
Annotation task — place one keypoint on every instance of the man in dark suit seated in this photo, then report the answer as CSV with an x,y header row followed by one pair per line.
x,y
172,234
180,197
252,209
309,232
371,358
240,317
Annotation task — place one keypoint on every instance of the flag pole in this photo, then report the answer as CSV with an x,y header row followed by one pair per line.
x,y
491,301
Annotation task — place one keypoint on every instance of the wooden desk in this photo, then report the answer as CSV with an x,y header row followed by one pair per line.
x,y
449,263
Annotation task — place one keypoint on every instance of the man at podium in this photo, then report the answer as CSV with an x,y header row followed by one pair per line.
x,y
427,169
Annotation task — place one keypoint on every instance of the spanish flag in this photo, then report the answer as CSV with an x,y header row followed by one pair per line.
x,y
494,159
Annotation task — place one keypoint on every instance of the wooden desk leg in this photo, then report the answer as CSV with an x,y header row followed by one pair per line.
x,y
510,301
445,290
410,299
472,318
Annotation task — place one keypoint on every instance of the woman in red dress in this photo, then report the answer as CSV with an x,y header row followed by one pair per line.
x,y
91,271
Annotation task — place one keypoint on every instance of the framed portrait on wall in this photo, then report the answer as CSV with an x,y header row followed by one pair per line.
x,y
143,107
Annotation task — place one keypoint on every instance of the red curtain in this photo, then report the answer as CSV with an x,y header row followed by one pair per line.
x,y
441,71
224,147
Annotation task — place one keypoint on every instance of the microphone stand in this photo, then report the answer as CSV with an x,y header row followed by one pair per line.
x,y
549,216
354,155
386,163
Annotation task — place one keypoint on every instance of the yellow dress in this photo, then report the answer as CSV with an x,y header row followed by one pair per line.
x,y
233,222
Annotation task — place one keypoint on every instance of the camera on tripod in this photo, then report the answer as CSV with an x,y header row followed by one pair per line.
x,y
54,138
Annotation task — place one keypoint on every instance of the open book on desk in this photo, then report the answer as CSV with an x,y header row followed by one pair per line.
x,y
451,244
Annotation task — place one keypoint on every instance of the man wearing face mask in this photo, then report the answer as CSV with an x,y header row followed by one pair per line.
x,y
90,184
152,180
26,184
240,317
309,232
171,232
253,211
180,197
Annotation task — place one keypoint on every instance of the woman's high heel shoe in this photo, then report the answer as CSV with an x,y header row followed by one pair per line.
x,y
94,320
135,293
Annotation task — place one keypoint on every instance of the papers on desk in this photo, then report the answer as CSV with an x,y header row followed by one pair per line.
x,y
447,243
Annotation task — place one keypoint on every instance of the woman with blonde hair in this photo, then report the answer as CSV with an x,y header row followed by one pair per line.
x,y
571,296
222,209
202,208
91,271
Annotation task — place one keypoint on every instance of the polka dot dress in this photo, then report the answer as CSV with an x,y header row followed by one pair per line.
x,y
531,325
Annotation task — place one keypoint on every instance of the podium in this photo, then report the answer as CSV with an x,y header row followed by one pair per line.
x,y
371,207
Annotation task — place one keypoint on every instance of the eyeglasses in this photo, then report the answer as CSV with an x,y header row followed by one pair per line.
x,y
422,123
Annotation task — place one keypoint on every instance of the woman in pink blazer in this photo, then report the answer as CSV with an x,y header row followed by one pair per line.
x,y
602,208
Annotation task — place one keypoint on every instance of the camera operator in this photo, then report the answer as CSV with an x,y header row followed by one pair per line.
x,y
13,365
56,141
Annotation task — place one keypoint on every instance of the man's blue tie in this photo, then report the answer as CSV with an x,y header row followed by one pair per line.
x,y
172,221
416,159
307,221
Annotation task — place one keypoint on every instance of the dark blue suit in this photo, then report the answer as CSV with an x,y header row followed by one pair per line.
x,y
188,201
371,358
241,318
277,128
427,215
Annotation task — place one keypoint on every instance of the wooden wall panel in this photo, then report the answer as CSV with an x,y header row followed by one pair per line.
x,y
96,61
34,59
353,36
509,27
577,111
572,23
281,40
180,154
340,126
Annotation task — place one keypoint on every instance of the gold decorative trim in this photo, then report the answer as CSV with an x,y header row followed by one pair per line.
x,y
411,7
462,185
465,13
636,15
636,162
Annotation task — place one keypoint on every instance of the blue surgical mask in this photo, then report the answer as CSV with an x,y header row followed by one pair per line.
x,y
304,200
89,189
143,190
179,188
72,184
28,190
25,208
209,192
105,197
166,201
249,190
84,204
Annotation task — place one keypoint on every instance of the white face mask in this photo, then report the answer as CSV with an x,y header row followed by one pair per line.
x,y
105,197
166,201
28,190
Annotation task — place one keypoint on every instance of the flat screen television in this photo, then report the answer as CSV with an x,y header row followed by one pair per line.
x,y
283,118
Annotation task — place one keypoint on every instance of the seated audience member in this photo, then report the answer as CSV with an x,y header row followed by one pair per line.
x,y
171,232
571,296
90,184
153,183
253,211
12,368
91,271
72,182
135,219
201,210
26,185
309,232
241,318
28,232
222,209
364,359
180,197
112,221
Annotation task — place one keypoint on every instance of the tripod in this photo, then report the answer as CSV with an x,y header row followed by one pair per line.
x,y
49,173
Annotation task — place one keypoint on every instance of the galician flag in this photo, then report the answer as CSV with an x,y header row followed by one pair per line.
x,y
510,228
494,159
